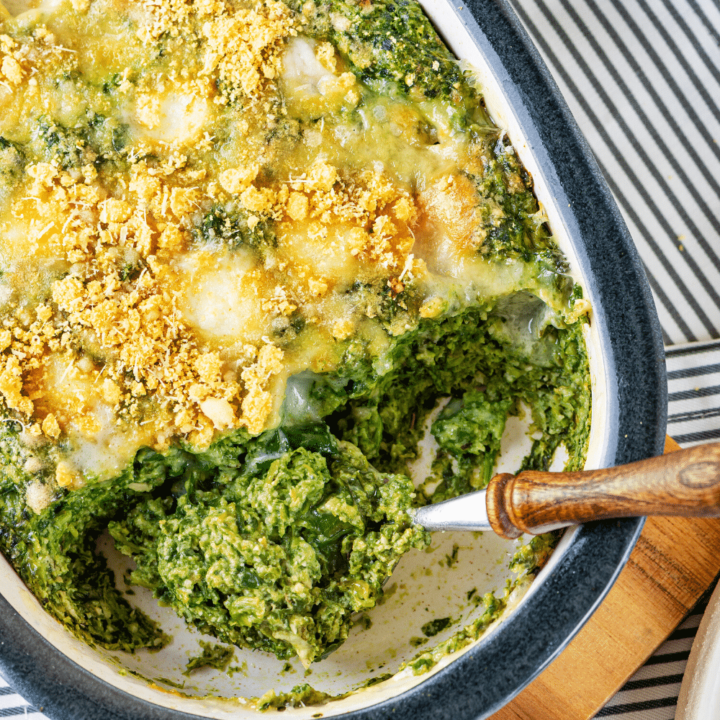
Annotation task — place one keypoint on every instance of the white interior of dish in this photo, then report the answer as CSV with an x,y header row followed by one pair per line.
x,y
425,588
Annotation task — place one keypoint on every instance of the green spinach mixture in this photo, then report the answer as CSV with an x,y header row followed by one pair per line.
x,y
267,496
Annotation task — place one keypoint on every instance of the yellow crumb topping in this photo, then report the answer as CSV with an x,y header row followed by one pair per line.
x,y
202,207
241,47
147,348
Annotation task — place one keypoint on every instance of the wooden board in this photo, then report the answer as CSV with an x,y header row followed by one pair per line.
x,y
673,563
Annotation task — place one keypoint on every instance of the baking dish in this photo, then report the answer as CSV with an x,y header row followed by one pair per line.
x,y
628,424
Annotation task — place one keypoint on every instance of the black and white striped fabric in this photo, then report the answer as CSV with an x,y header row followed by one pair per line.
x,y
642,78
15,707
694,393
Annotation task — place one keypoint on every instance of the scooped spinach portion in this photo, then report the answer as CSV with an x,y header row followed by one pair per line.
x,y
281,559
488,368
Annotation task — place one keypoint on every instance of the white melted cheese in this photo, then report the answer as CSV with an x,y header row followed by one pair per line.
x,y
99,447
38,496
327,255
174,117
218,296
108,452
301,69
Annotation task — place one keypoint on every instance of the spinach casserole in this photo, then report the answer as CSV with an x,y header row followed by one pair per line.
x,y
248,252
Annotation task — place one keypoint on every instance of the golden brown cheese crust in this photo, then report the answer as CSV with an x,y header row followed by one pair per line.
x,y
132,313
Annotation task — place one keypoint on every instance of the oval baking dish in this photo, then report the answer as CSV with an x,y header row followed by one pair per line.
x,y
69,680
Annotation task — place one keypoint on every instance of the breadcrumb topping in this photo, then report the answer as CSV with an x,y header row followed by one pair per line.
x,y
177,242
154,367
241,47
147,347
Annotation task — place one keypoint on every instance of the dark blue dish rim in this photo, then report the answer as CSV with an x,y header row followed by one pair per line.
x,y
489,675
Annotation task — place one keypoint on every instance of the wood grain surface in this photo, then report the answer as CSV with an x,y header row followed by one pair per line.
x,y
673,563
684,483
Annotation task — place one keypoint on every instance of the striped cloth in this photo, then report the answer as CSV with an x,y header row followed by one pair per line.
x,y
15,707
694,393
642,78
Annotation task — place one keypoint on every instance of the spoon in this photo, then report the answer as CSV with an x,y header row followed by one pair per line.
x,y
686,482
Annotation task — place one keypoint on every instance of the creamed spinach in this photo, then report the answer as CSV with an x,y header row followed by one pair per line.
x,y
247,250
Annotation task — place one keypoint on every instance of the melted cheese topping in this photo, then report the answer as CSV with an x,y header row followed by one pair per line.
x,y
205,199
222,297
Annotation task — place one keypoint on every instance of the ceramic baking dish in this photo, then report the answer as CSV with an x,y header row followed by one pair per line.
x,y
70,681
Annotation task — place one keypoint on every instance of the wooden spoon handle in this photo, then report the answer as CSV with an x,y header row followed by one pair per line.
x,y
680,483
